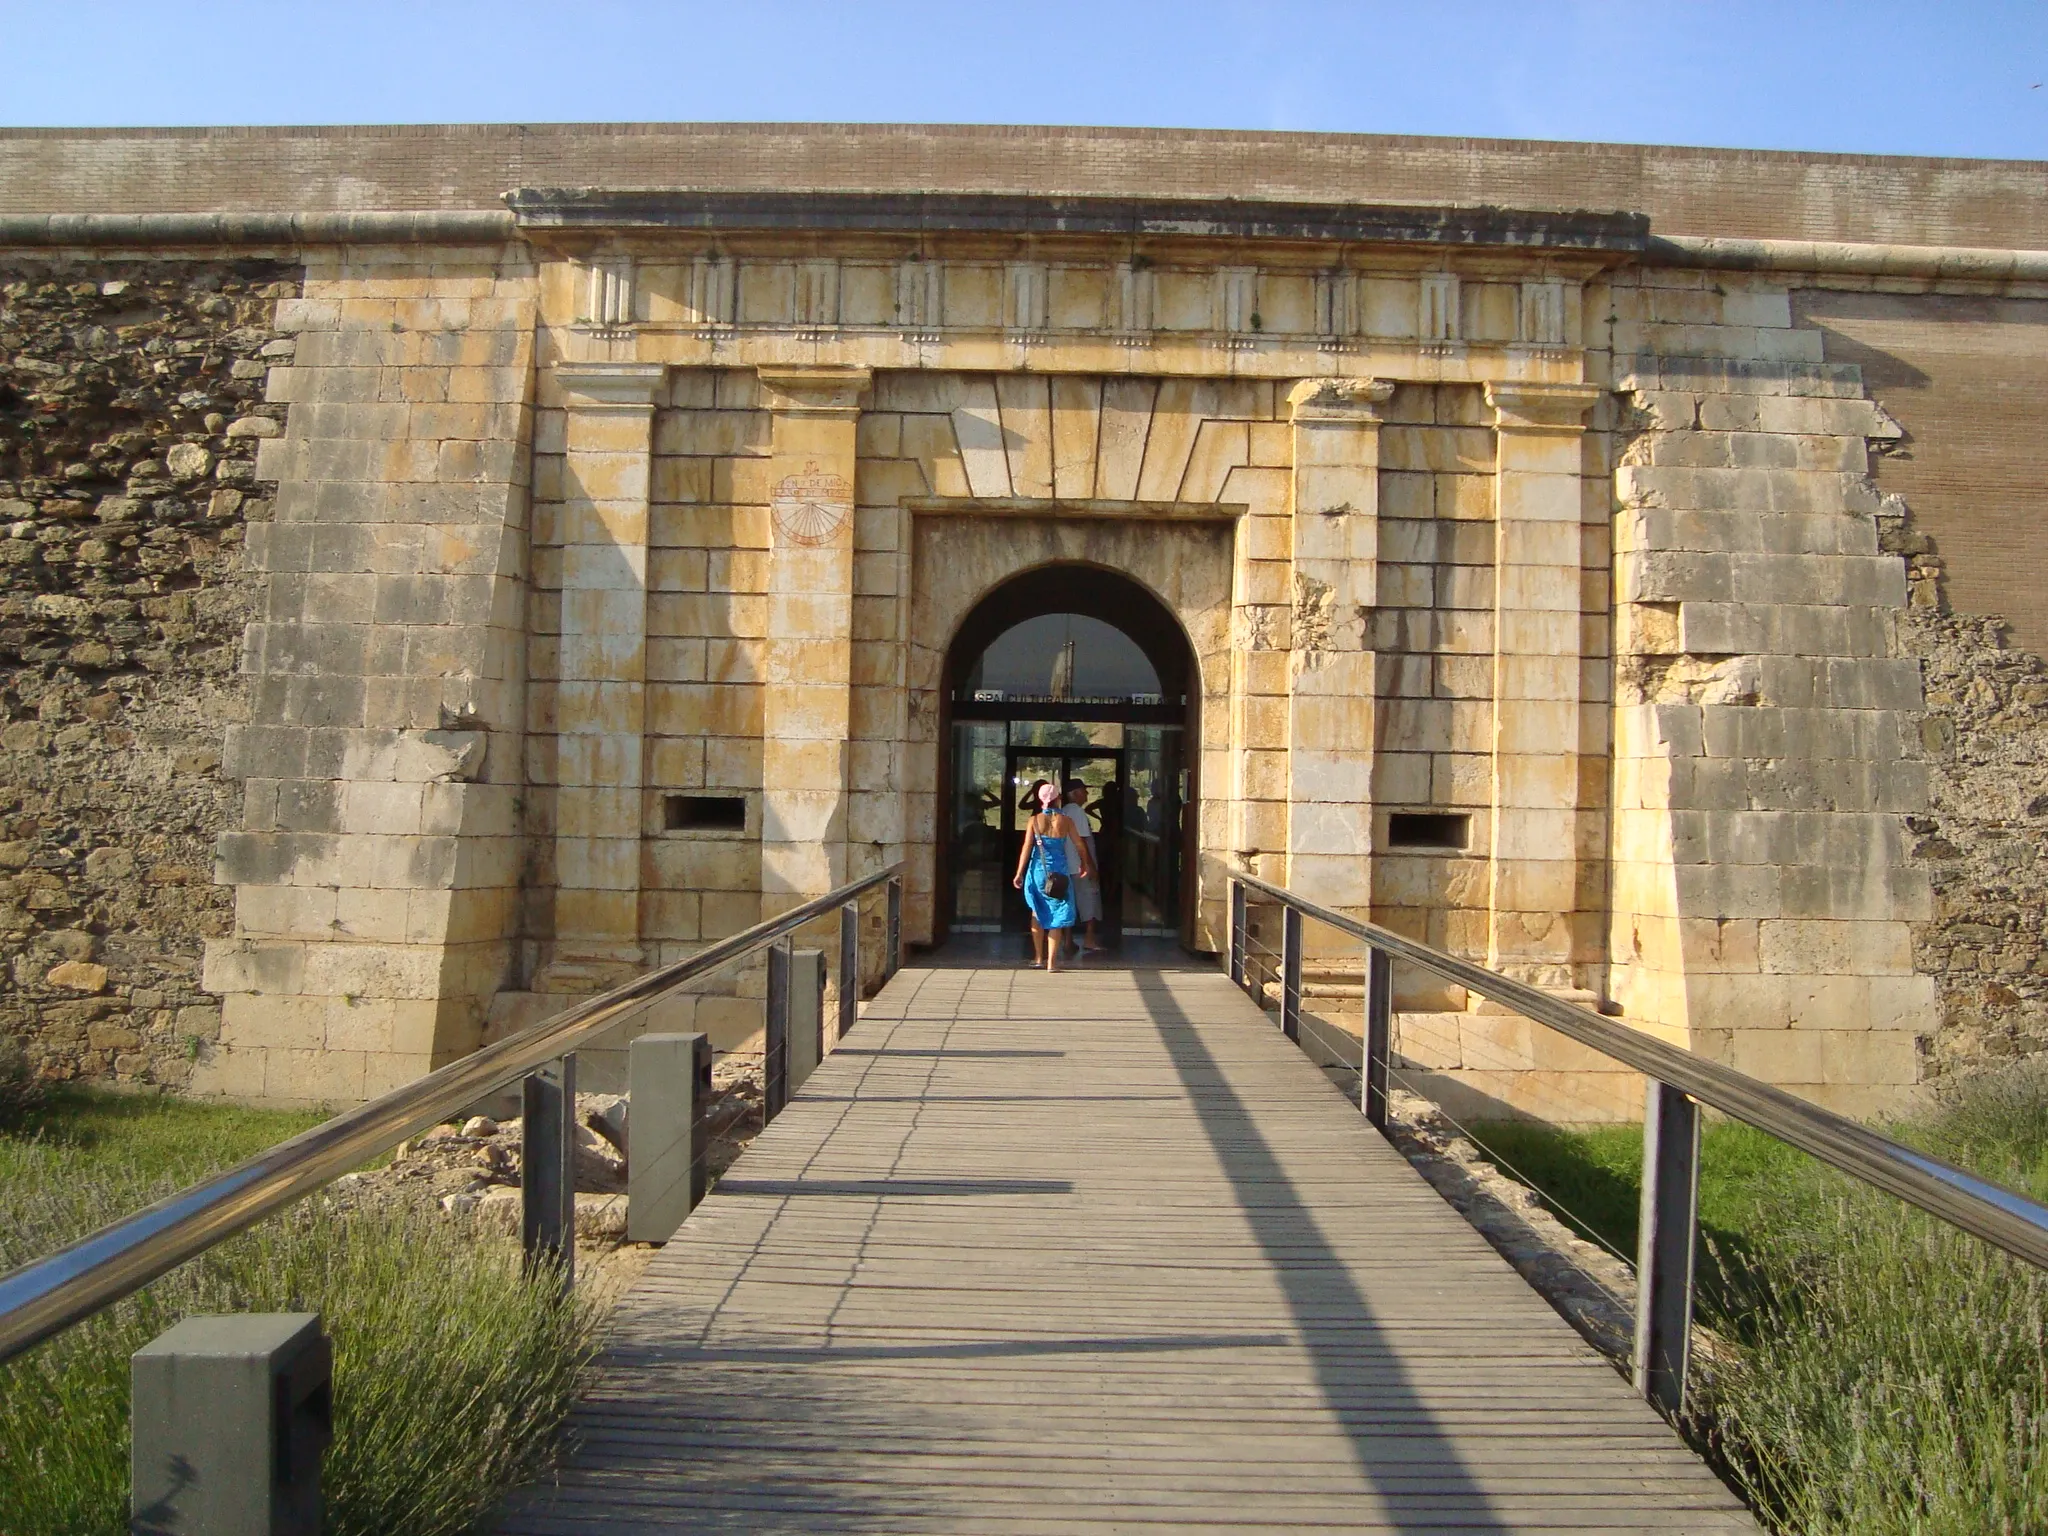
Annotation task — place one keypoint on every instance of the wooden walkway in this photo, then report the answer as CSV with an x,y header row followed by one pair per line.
x,y
1097,1252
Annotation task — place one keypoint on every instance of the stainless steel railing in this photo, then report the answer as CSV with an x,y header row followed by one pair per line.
x,y
51,1294
1679,1081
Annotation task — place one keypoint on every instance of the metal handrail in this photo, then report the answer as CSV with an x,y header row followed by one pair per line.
x,y
1998,1215
1679,1081
51,1294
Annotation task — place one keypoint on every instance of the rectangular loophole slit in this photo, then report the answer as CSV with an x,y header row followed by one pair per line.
x,y
704,813
1443,830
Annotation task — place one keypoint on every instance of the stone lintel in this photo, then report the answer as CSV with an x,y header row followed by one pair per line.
x,y
1075,509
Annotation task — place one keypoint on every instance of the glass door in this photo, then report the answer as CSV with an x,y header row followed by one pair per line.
x,y
1148,831
980,828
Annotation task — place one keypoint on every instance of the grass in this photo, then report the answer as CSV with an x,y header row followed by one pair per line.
x,y
1882,1372
452,1373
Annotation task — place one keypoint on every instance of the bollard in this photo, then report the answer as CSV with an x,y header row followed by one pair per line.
x,y
806,1016
231,1415
668,1139
547,1166
849,970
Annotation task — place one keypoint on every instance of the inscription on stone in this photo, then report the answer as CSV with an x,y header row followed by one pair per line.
x,y
810,508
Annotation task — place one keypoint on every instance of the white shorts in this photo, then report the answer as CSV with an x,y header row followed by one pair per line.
x,y
1087,900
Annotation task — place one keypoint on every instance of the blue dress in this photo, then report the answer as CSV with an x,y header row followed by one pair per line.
x,y
1048,857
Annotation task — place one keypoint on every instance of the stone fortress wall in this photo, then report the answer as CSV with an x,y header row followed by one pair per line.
x,y
1524,517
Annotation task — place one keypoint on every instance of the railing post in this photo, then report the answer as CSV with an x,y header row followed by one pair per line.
x,y
1665,1256
849,968
1290,972
1238,932
1379,1035
775,1042
547,1166
892,957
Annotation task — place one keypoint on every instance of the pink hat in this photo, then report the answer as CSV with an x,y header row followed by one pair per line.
x,y
1048,795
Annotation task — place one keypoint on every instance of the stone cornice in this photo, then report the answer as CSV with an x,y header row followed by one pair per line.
x,y
1345,400
824,390
611,385
1533,407
1618,235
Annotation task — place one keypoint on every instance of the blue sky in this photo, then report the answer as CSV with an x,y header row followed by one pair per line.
x,y
1953,78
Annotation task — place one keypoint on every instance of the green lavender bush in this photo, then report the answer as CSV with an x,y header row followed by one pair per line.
x,y
1874,1371
453,1374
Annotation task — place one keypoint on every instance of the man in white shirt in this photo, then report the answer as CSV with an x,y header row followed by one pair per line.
x,y
1087,892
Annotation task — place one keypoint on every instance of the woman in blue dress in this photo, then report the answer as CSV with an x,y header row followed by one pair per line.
x,y
1050,849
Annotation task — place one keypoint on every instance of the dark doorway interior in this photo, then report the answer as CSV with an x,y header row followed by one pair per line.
x,y
1069,672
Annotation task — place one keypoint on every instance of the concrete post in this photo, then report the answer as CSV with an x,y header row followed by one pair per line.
x,y
231,1415
547,1166
806,1015
668,1141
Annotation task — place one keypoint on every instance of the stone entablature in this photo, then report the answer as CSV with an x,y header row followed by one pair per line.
x,y
639,509
1014,284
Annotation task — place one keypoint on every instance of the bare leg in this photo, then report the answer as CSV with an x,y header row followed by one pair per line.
x,y
1038,937
1053,938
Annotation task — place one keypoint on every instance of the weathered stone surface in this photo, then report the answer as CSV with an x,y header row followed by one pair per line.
x,y
122,602
1984,838
1589,574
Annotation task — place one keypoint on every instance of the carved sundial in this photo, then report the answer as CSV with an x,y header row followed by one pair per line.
x,y
810,508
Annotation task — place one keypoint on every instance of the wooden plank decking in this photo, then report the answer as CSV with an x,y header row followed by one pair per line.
x,y
1097,1252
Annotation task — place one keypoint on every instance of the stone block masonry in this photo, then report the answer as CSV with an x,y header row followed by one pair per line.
x,y
378,864
131,411
603,579
1768,747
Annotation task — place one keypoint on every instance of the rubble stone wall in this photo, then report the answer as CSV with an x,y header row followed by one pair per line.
x,y
1982,837
1961,375
131,408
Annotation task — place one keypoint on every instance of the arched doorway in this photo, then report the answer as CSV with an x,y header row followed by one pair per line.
x,y
1070,671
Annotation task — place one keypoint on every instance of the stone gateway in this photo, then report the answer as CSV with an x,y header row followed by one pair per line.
x,y
1493,540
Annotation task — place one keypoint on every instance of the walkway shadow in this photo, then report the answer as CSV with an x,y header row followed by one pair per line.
x,y
893,1187
1318,1285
